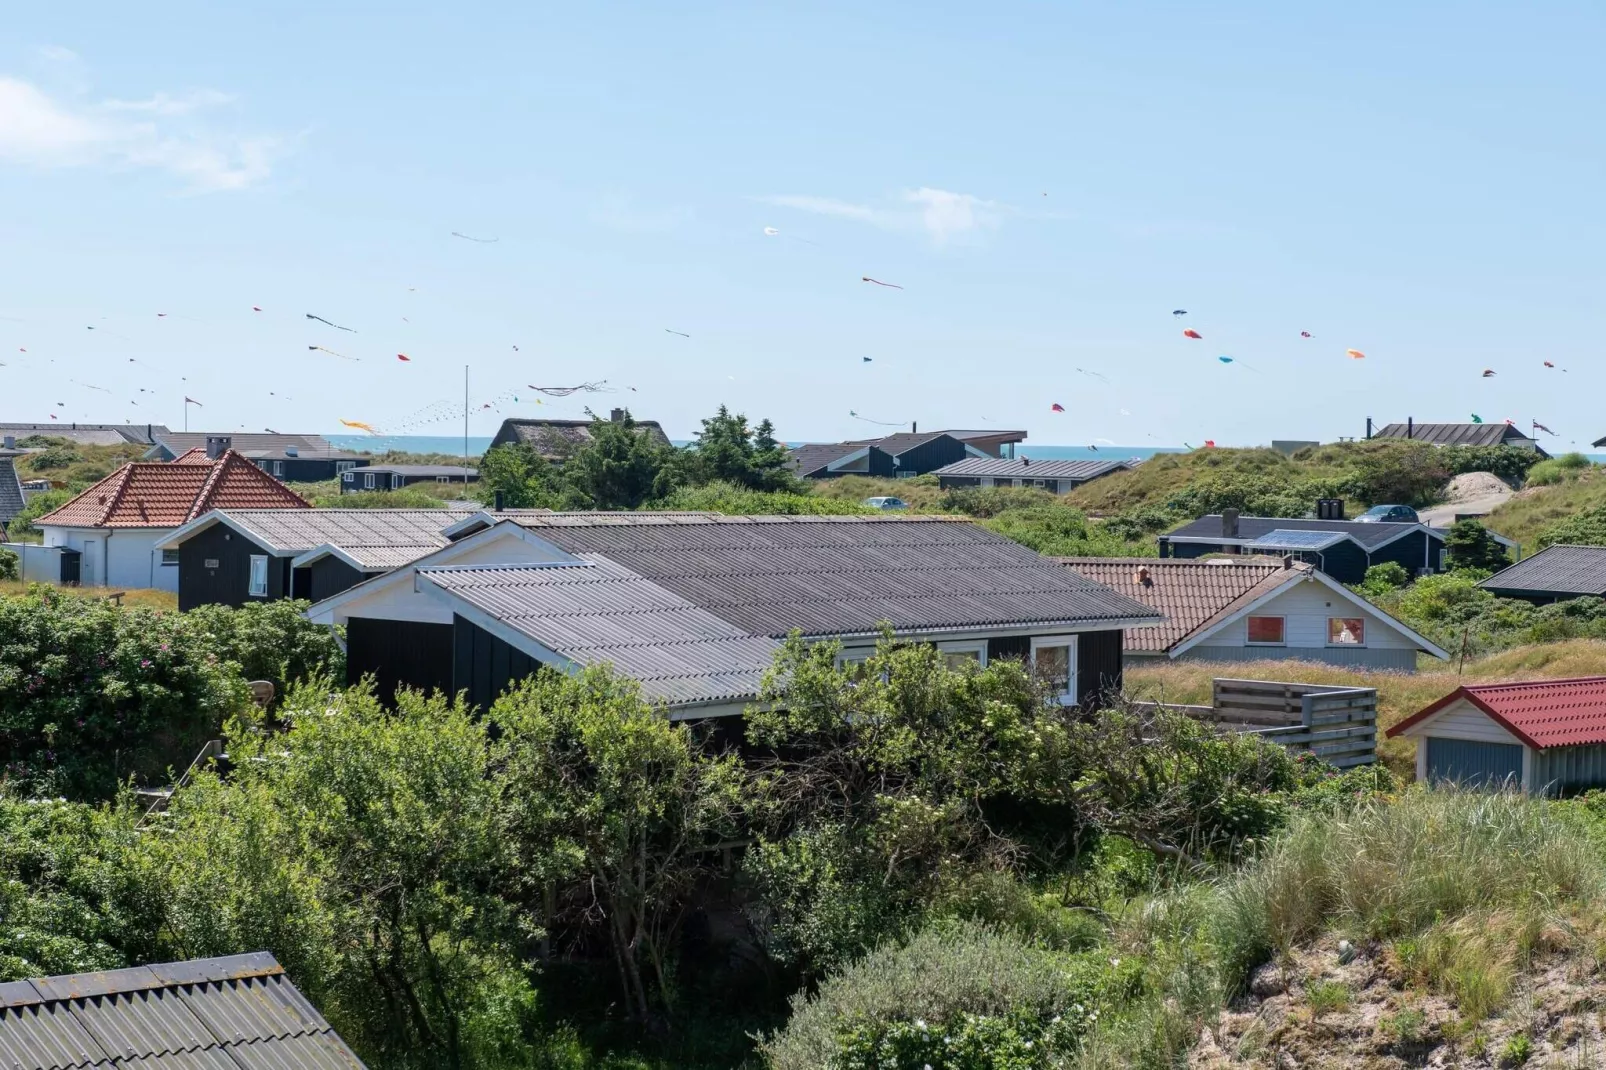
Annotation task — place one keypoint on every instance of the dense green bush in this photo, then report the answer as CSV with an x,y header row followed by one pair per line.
x,y
1508,462
1384,578
1558,470
1587,528
1060,531
1471,546
984,502
10,565
47,501
403,498
1454,612
739,501
270,641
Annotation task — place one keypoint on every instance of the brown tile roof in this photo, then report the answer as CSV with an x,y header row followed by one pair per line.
x,y
152,494
1192,594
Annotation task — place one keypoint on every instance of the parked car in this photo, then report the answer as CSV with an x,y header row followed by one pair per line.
x,y
886,503
1388,514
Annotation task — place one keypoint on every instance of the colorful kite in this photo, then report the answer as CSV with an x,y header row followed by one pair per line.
x,y
1477,419
359,425
564,391
1056,407
1092,447
332,353
1191,333
1354,354
878,282
1488,373
336,326
864,360
1210,443
1225,360
1304,334
1541,427
404,356
256,308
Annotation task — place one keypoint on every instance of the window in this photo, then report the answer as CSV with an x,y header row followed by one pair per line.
x,y
1054,663
443,479
1444,559
1346,631
345,466
1266,630
278,468
999,482
367,481
259,576
169,557
959,655
395,481
347,477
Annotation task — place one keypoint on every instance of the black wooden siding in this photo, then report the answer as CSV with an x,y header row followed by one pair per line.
x,y
399,653
483,665
951,482
227,584
930,456
1345,562
1098,666
1407,550
305,469
328,576
1012,647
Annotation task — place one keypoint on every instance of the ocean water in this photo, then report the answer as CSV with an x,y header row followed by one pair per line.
x,y
479,444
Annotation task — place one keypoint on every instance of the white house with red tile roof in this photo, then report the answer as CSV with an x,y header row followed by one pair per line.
x,y
115,525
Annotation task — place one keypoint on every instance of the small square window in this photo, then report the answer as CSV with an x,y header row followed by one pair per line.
x,y
1054,663
962,655
1346,631
259,576
1266,630
169,557
443,479
347,477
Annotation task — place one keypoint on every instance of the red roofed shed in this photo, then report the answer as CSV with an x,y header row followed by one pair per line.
x,y
1549,736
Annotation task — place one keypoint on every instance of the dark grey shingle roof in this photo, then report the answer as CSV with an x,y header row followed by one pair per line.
x,y
811,457
1454,434
1254,527
601,612
292,531
827,576
11,499
1566,570
308,446
1021,468
902,442
427,471
221,1013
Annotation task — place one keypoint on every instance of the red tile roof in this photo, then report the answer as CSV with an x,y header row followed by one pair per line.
x,y
150,494
1541,713
1192,594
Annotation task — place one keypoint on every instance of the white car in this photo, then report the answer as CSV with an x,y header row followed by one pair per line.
x,y
886,503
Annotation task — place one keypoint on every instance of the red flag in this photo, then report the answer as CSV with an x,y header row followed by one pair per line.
x,y
1210,443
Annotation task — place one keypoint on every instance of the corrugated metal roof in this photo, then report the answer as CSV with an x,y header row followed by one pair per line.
x,y
424,470
207,1013
601,612
1559,569
1253,527
11,499
177,442
296,530
813,456
1541,713
1453,434
1192,594
842,575
1024,468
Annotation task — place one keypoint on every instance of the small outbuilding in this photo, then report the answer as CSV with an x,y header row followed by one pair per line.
x,y
1547,737
397,476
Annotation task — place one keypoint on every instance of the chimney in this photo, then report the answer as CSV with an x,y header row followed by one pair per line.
x,y
1410,427
499,501
914,428
1288,561
1144,577
1368,428
1229,523
1025,462
11,442
217,444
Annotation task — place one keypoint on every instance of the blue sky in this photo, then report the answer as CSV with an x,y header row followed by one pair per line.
x,y
1046,181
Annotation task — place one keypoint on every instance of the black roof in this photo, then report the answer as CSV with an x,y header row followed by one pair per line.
x,y
843,575
11,500
1369,536
217,1014
1560,570
813,456
1026,468
1453,434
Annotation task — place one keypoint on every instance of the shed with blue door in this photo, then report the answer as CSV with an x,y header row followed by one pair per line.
x,y
1546,737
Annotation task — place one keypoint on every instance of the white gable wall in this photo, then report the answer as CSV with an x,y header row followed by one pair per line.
x,y
1306,606
118,557
1462,720
402,601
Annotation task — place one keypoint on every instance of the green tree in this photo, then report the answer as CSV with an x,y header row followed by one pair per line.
x,y
616,807
729,451
525,479
270,641
10,565
1471,546
620,468
1586,528
48,501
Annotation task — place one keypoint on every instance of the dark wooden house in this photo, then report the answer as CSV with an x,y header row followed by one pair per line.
x,y
1554,574
1056,477
397,476
291,458
908,453
694,606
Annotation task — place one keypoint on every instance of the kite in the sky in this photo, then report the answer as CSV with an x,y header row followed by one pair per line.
x,y
866,419
864,360
1210,443
1056,407
359,425
1304,334
771,232
482,241
1191,333
336,326
1541,427
404,356
1094,375
1488,373
1477,419
1225,360
1179,312
682,334
256,308
1092,447
1354,354
565,391
89,386
878,282
332,353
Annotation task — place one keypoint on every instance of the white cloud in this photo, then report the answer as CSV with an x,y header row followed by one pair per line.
x,y
941,214
163,132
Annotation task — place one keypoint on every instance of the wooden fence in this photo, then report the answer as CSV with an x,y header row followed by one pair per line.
x,y
1337,724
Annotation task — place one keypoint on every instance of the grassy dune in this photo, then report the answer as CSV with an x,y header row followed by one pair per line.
x,y
1529,513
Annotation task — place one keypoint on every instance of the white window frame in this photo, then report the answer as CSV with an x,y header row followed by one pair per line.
x,y
1264,616
257,582
443,479
169,557
345,466
347,477
1444,559
977,647
1068,696
397,481
278,468
367,481
854,656
1347,646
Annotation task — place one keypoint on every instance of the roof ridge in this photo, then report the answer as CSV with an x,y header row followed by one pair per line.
x,y
1557,682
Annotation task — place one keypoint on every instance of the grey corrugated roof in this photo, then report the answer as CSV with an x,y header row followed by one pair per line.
x,y
813,456
1453,434
88,434
1560,569
309,446
296,530
456,470
224,1013
842,575
902,442
11,499
1253,527
1022,468
601,612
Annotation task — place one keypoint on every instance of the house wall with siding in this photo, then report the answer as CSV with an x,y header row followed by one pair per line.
x,y
930,456
399,653
328,576
227,584
483,665
1351,657
118,557
1305,608
1408,551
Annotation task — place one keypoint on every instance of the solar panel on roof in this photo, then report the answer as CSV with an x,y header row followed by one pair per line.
x,y
1288,539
